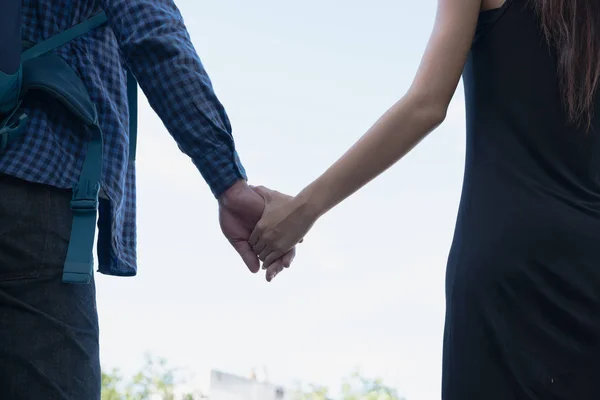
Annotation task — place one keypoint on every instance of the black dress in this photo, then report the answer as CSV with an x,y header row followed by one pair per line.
x,y
523,276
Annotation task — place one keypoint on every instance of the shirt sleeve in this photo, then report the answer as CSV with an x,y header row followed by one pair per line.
x,y
158,50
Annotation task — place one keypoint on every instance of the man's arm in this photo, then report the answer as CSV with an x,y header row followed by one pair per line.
x,y
157,48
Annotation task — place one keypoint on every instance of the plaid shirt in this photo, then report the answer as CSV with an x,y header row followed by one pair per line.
x,y
150,38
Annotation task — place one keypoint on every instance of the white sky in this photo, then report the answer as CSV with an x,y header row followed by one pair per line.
x,y
301,82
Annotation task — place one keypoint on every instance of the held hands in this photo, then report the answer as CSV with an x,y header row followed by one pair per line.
x,y
284,223
264,225
240,208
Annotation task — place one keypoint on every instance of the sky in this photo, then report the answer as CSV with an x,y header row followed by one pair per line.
x,y
301,81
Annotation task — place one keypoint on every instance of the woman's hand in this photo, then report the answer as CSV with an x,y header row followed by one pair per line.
x,y
284,223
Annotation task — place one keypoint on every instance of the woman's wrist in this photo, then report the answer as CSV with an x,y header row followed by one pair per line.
x,y
312,201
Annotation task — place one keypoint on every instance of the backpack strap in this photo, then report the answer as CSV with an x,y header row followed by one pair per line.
x,y
79,264
47,72
52,75
12,87
65,37
11,132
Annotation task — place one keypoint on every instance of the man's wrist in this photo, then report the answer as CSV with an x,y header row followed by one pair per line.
x,y
220,167
233,191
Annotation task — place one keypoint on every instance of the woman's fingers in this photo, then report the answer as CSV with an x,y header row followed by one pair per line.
x,y
259,247
263,244
264,253
256,234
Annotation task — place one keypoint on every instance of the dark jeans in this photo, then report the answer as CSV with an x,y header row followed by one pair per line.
x,y
48,330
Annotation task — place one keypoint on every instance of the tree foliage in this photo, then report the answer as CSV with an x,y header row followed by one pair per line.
x,y
157,380
356,387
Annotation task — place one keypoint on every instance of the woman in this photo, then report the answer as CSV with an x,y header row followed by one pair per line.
x,y
523,274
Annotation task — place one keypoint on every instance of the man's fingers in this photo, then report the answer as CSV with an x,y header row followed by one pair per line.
x,y
273,270
285,260
245,251
288,258
270,259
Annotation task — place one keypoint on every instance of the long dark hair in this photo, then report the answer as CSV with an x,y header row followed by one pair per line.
x,y
572,27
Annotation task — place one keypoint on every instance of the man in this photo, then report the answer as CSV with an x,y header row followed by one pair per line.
x,y
49,329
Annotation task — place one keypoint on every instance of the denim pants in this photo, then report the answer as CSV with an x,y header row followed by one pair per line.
x,y
48,330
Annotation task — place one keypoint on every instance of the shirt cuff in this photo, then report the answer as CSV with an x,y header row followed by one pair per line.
x,y
220,168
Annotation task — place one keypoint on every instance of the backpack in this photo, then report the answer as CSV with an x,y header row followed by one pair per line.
x,y
25,67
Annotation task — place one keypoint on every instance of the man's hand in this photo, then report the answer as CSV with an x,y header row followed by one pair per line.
x,y
240,208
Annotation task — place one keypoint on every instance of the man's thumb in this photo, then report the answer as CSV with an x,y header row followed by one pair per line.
x,y
264,192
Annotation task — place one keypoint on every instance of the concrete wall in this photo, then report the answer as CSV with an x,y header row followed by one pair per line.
x,y
225,386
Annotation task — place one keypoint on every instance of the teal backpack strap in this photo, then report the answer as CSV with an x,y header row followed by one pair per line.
x,y
47,72
10,90
79,264
52,75
64,37
10,132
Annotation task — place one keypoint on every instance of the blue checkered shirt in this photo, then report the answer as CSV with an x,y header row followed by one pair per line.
x,y
150,38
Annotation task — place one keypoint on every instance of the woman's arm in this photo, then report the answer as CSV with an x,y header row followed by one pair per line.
x,y
402,127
